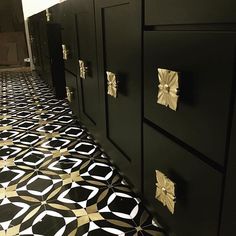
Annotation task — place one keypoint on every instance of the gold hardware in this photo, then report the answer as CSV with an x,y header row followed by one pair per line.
x,y
82,69
168,88
112,84
65,52
165,191
70,94
31,38
48,15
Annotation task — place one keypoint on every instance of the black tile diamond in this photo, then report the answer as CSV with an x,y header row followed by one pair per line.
x,y
49,225
29,139
8,211
40,185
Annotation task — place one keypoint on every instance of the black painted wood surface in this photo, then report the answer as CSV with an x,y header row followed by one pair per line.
x,y
69,35
227,226
206,62
71,83
118,25
198,187
167,12
56,59
88,88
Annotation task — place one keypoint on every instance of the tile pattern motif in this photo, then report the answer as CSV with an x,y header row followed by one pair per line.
x,y
54,178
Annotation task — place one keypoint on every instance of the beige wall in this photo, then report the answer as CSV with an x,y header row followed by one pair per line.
x,y
13,48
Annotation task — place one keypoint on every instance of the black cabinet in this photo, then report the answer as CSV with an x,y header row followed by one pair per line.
x,y
197,187
87,74
167,12
64,15
118,25
47,53
116,52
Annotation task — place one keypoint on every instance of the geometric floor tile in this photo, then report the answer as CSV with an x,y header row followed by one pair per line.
x,y
54,178
31,157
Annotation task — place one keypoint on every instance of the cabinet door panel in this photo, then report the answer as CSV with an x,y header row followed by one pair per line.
x,y
57,64
197,187
206,62
69,35
189,12
88,54
119,35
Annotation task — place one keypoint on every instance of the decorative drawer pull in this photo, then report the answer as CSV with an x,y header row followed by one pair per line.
x,y
48,15
165,191
83,69
168,88
112,84
65,52
69,94
31,38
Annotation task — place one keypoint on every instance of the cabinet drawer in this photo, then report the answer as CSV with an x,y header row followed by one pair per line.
x,y
206,65
161,12
197,187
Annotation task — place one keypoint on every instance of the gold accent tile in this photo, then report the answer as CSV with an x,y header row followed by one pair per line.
x,y
13,231
8,127
5,117
6,143
7,163
61,152
41,112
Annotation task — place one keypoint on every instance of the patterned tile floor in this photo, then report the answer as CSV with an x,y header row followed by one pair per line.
x,y
54,179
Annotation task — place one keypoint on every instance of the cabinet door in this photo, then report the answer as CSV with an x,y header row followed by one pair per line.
x,y
87,81
205,62
159,12
57,64
35,41
119,51
56,13
32,36
197,188
46,74
69,36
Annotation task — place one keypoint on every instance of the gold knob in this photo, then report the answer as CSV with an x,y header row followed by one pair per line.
x,y
168,88
112,84
165,191
48,15
65,52
69,94
83,69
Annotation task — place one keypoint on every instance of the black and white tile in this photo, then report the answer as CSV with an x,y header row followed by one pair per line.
x,y
54,178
